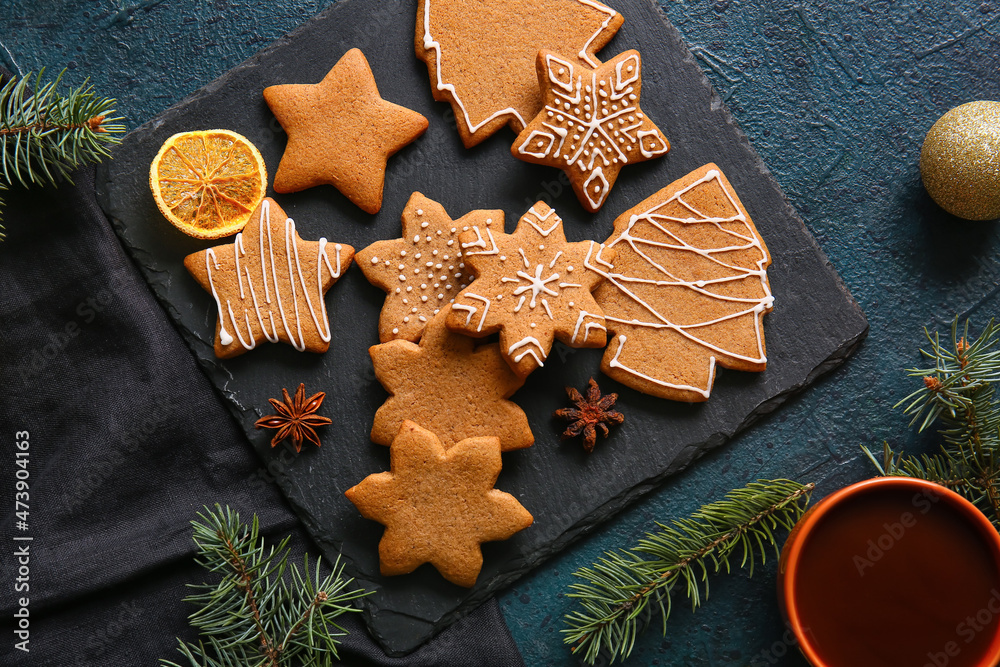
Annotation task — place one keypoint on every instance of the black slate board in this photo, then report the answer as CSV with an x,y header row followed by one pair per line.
x,y
815,326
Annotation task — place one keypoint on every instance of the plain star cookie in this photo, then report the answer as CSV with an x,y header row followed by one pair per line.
x,y
532,286
422,271
269,284
481,56
340,132
591,124
438,506
687,289
448,385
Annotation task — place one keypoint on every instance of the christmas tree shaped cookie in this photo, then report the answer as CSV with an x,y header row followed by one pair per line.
x,y
687,290
532,286
268,284
481,55
450,386
438,505
423,271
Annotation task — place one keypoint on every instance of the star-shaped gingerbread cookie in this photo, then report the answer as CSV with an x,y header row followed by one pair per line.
x,y
532,286
481,55
341,132
450,386
591,124
423,271
269,284
438,505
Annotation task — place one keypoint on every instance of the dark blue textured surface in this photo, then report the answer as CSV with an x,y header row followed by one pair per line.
x,y
835,97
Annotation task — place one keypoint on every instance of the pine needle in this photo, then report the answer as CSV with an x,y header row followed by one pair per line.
x,y
46,134
263,613
958,392
623,589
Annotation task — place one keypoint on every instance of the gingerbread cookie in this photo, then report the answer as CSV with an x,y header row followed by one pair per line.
x,y
686,291
341,132
421,272
450,386
532,286
481,57
269,284
438,505
591,124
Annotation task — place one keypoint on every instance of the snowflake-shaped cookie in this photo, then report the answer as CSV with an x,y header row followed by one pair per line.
x,y
422,272
591,125
532,286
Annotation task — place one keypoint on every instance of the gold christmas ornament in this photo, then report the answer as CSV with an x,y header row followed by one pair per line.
x,y
960,161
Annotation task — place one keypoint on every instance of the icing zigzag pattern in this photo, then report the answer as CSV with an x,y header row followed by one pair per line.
x,y
687,289
269,284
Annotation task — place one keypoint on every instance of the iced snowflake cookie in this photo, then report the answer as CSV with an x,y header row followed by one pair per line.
x,y
686,291
450,386
438,506
532,286
340,132
421,272
268,284
591,124
481,56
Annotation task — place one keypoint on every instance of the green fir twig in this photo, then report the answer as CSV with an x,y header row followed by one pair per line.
x,y
621,589
263,613
46,134
957,392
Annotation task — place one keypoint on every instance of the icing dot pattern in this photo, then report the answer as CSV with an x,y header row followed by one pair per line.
x,y
428,240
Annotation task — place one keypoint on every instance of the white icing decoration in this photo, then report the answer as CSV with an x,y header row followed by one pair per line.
x,y
244,327
536,284
224,336
480,242
441,84
588,326
600,132
472,311
750,306
486,309
614,363
538,354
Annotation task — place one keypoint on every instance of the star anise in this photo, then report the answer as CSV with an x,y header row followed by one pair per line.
x,y
591,413
296,418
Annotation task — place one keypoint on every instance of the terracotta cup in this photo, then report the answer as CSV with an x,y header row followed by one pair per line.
x,y
893,571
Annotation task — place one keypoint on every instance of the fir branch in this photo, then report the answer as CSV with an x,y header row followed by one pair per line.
x,y
256,615
959,392
958,389
46,134
622,587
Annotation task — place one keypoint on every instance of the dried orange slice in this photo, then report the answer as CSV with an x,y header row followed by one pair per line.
x,y
208,182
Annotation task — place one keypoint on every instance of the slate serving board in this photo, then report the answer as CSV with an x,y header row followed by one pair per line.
x,y
814,327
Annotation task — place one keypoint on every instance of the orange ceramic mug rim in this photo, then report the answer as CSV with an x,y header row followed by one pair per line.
x,y
792,552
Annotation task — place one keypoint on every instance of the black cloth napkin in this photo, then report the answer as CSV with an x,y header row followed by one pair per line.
x,y
127,441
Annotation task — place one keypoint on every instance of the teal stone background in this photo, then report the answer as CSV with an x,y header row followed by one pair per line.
x,y
836,97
